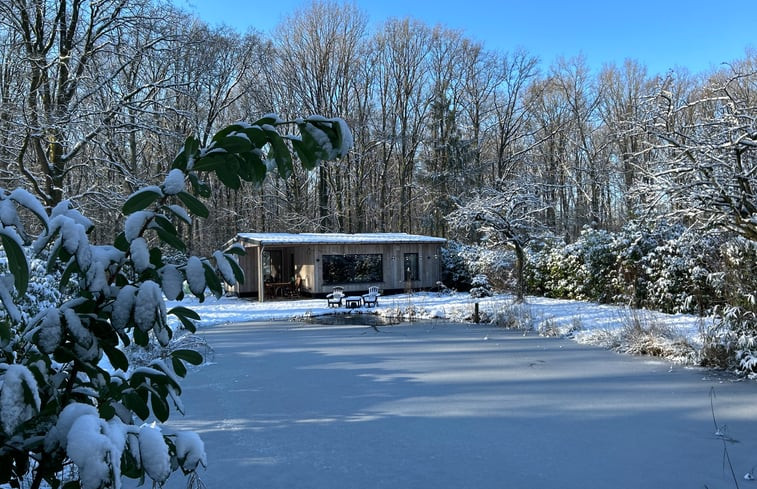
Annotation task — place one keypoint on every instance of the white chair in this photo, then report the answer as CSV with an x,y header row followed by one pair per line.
x,y
371,298
335,297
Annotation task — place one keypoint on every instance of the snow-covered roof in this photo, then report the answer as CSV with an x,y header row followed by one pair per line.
x,y
279,239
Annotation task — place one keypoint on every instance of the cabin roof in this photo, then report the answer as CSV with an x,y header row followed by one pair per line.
x,y
291,239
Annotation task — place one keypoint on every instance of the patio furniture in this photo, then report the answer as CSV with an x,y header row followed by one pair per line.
x,y
353,301
295,288
335,297
371,298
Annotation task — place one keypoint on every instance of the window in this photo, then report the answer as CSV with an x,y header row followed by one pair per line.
x,y
345,269
411,266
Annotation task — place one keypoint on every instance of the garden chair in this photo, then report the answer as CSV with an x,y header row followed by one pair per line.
x,y
335,297
371,298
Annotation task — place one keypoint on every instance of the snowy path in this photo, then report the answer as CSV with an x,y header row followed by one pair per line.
x,y
454,406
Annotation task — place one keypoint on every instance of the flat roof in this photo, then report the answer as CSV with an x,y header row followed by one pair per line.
x,y
280,239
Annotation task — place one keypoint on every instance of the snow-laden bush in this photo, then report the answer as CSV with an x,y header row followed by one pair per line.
x,y
68,393
662,268
480,286
462,263
738,316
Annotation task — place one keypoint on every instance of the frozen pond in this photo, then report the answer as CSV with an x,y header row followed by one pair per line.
x,y
292,405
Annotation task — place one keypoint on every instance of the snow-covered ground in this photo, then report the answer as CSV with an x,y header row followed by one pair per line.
x,y
436,404
583,321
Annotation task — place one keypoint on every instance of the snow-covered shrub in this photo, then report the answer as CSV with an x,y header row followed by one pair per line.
x,y
480,286
462,263
69,396
738,316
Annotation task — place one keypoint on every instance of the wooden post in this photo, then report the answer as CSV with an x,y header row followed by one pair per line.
x,y
476,317
261,283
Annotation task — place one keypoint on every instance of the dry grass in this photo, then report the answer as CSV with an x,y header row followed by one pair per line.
x,y
642,334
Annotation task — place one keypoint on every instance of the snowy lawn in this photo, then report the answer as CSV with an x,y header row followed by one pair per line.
x,y
447,405
585,322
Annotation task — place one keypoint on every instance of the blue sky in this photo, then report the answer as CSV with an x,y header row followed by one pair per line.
x,y
661,34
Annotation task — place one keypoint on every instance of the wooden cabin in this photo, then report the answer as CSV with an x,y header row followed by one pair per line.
x,y
318,262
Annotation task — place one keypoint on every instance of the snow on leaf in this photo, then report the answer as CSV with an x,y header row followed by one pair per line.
x,y
223,266
174,182
195,273
149,308
140,254
154,453
85,343
25,199
135,223
190,450
123,306
95,446
14,405
50,331
171,280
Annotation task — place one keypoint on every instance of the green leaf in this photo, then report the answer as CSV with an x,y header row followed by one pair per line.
x,y
307,158
190,356
5,331
280,154
17,263
140,200
193,204
191,145
212,162
184,311
238,272
136,404
106,411
229,174
159,407
235,144
178,367
212,281
171,239
71,268
117,358
140,337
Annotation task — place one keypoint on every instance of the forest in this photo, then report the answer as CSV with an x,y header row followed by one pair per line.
x,y
496,150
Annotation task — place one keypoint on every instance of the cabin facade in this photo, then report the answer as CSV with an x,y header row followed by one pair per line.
x,y
320,261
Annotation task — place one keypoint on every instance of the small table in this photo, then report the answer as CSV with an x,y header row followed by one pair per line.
x,y
353,301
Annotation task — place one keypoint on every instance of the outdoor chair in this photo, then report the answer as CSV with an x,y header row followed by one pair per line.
x,y
295,288
335,297
371,298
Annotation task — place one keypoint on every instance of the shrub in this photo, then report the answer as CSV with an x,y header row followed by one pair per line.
x,y
59,404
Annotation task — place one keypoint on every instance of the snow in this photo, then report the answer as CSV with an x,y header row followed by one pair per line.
x,y
581,320
174,182
171,281
123,307
95,446
50,332
135,223
140,254
154,453
195,273
437,404
190,450
269,239
13,407
223,266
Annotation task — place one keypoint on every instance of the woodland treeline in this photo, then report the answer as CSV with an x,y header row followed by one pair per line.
x,y
96,98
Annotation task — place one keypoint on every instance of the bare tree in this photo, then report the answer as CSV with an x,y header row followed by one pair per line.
x,y
64,47
706,149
